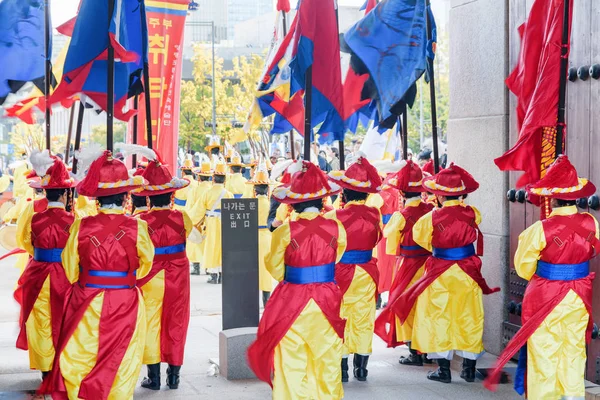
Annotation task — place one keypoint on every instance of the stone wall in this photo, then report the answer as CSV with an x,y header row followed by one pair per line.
x,y
478,132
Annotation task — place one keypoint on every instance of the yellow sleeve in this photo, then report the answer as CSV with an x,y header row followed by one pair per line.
x,y
423,231
330,214
531,243
393,233
282,213
70,255
342,241
187,222
200,209
375,200
24,229
274,261
595,222
477,215
145,249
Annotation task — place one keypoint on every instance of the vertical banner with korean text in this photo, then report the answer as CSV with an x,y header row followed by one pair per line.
x,y
166,22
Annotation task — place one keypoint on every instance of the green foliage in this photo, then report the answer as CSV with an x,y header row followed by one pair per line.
x,y
98,134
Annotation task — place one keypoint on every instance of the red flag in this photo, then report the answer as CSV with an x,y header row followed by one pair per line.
x,y
535,82
283,5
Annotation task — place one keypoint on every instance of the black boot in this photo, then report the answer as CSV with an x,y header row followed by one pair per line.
x,y
195,269
206,272
220,279
345,369
468,370
214,279
265,296
173,376
443,372
378,303
414,359
360,367
152,382
427,360
44,375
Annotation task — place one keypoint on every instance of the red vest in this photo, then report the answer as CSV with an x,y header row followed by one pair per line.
x,y
563,245
391,201
166,228
411,216
50,228
313,242
40,205
108,243
361,222
454,226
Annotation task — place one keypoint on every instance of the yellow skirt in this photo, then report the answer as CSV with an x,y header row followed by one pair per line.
x,y
556,353
308,359
153,292
449,315
39,331
194,252
358,308
265,280
404,331
212,259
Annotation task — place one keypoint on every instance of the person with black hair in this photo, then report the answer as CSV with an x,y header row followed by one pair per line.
x,y
411,259
43,286
209,222
236,183
101,344
448,299
187,193
554,255
195,246
356,273
166,288
139,203
298,346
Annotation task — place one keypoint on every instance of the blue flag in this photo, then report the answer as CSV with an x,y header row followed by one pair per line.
x,y
390,44
22,45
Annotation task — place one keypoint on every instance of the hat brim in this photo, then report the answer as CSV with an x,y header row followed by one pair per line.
x,y
286,199
442,192
148,193
349,186
108,191
587,190
38,185
409,189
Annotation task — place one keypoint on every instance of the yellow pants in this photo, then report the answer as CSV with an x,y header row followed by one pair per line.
x,y
308,359
404,331
358,308
153,292
39,332
556,353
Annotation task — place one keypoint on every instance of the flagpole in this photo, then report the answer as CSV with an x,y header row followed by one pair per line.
x,y
110,82
48,72
70,132
340,142
136,100
564,63
78,133
146,72
404,132
434,129
307,112
292,147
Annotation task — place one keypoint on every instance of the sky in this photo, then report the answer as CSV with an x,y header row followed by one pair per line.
x,y
63,10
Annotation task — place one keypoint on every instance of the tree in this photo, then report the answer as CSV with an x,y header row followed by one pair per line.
x,y
98,134
27,138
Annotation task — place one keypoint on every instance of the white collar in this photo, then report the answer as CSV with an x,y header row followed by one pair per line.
x,y
111,207
312,210
55,204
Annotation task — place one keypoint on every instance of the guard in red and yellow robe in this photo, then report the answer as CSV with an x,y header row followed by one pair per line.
x,y
166,288
43,286
386,263
553,255
448,299
356,274
298,347
99,352
411,259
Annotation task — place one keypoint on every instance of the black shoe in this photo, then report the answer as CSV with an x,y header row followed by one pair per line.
x,y
360,367
220,279
206,272
195,269
378,303
414,359
152,382
214,279
173,376
443,372
44,375
265,297
468,370
427,360
345,370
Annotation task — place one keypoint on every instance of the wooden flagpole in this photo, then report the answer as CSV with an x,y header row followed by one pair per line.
x,y
110,82
307,112
48,71
564,63
434,129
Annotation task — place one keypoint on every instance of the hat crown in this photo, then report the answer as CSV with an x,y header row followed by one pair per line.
x,y
561,174
113,170
188,164
410,173
220,169
205,167
309,180
157,174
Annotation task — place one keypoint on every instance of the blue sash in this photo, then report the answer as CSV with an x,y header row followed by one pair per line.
x,y
176,248
180,202
562,272
109,274
47,255
454,253
422,252
303,276
262,227
385,218
357,257
237,196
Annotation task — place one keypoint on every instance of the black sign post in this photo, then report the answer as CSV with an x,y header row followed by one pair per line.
x,y
239,227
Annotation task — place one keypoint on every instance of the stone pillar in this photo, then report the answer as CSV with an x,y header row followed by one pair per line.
x,y
478,132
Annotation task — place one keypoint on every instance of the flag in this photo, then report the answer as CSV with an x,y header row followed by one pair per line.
x,y
86,64
535,81
384,145
283,5
390,44
22,58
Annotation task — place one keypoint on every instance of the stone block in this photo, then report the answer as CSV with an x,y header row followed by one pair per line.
x,y
473,144
478,61
233,345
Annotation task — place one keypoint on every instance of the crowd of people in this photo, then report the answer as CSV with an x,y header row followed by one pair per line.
x,y
105,286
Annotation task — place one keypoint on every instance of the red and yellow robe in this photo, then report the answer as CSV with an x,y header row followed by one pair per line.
x,y
100,349
43,286
166,288
448,299
299,340
411,265
385,262
553,255
357,275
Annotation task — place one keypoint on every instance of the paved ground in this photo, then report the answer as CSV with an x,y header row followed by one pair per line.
x,y
387,379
